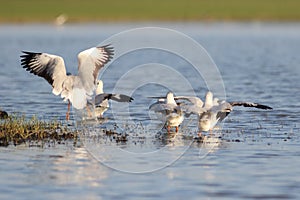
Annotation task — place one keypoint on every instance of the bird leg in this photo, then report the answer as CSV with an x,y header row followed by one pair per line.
x,y
176,129
169,129
100,116
89,111
68,112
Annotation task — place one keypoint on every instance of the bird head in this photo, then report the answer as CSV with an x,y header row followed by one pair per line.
x,y
209,99
99,89
170,98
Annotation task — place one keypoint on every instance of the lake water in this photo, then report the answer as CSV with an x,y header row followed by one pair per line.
x,y
256,153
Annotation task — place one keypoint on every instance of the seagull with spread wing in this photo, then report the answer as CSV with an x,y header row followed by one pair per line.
x,y
101,99
76,89
214,111
170,111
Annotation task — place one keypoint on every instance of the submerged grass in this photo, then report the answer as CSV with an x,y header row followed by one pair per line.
x,y
18,129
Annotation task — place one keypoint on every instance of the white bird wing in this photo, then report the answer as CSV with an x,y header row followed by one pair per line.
x,y
163,107
222,110
194,100
90,62
50,67
192,109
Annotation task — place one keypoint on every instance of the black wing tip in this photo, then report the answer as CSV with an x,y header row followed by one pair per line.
x,y
157,97
107,47
250,104
26,57
28,53
25,53
126,98
265,107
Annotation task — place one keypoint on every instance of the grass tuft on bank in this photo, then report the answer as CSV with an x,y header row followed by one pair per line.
x,y
17,129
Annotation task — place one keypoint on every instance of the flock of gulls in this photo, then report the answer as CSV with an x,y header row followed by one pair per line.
x,y
85,91
173,110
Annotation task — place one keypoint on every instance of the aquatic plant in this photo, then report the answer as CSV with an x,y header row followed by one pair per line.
x,y
17,129
3,114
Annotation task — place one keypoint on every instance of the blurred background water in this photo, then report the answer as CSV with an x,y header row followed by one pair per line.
x,y
256,158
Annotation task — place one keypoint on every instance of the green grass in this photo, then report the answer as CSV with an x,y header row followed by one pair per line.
x,y
19,11
18,129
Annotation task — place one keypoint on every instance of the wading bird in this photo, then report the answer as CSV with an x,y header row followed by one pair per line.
x,y
101,99
76,89
169,110
215,111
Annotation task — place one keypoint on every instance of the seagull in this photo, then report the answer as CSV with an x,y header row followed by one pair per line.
x,y
170,111
214,111
101,99
76,89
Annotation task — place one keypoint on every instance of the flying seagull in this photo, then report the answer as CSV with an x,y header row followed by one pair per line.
x,y
170,111
101,99
74,89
